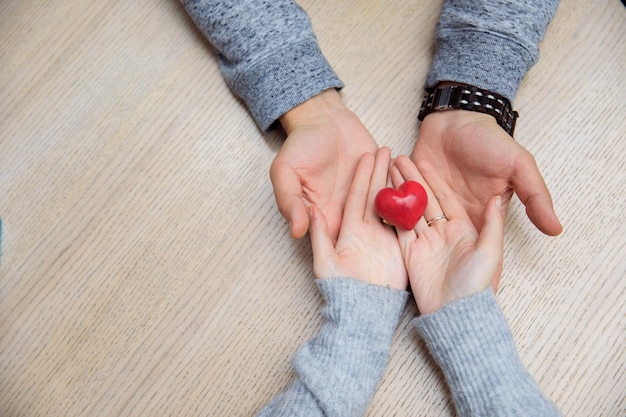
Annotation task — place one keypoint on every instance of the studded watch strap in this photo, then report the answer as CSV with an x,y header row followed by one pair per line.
x,y
470,98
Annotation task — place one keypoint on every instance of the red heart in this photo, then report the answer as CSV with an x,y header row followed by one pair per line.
x,y
402,207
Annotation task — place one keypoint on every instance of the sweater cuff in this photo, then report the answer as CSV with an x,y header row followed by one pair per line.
x,y
353,303
472,343
283,80
343,365
481,59
469,331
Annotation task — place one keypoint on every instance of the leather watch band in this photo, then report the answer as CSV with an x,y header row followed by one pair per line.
x,y
471,98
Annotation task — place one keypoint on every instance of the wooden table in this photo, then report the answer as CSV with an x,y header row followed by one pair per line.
x,y
145,269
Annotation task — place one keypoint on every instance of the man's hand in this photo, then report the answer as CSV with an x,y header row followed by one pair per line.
x,y
316,163
478,160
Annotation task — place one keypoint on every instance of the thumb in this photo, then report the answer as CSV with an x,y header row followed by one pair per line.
x,y
321,244
491,238
288,194
534,194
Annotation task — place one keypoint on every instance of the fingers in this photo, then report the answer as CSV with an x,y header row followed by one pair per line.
x,y
321,242
492,234
370,177
534,194
378,181
491,238
405,237
359,189
448,200
409,172
288,194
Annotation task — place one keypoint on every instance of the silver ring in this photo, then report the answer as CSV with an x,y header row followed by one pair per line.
x,y
434,219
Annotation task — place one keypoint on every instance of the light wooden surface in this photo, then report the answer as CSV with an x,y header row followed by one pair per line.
x,y
145,270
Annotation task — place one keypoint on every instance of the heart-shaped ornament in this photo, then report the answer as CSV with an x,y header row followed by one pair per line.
x,y
402,207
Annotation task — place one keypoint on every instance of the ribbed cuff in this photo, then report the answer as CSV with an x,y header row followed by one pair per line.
x,y
481,59
342,366
472,343
283,80
351,303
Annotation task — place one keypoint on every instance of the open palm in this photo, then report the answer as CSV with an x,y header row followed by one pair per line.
x,y
448,259
366,249
315,166
478,160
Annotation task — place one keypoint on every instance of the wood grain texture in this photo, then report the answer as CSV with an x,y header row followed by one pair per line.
x,y
145,269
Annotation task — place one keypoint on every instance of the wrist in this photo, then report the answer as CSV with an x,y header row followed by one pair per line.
x,y
446,83
375,310
471,341
314,109
449,95
454,119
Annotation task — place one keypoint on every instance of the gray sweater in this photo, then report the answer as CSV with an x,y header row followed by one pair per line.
x,y
270,58
338,371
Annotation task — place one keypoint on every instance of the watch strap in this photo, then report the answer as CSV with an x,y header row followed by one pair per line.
x,y
471,98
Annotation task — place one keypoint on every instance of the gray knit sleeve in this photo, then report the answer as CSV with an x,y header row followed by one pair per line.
x,y
267,53
337,372
489,44
472,343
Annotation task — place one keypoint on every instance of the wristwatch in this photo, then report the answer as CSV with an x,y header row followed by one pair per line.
x,y
466,97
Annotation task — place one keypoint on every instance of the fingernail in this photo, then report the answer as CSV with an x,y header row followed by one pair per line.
x,y
499,202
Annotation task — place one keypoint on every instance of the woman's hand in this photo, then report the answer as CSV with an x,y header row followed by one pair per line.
x,y
366,249
448,259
